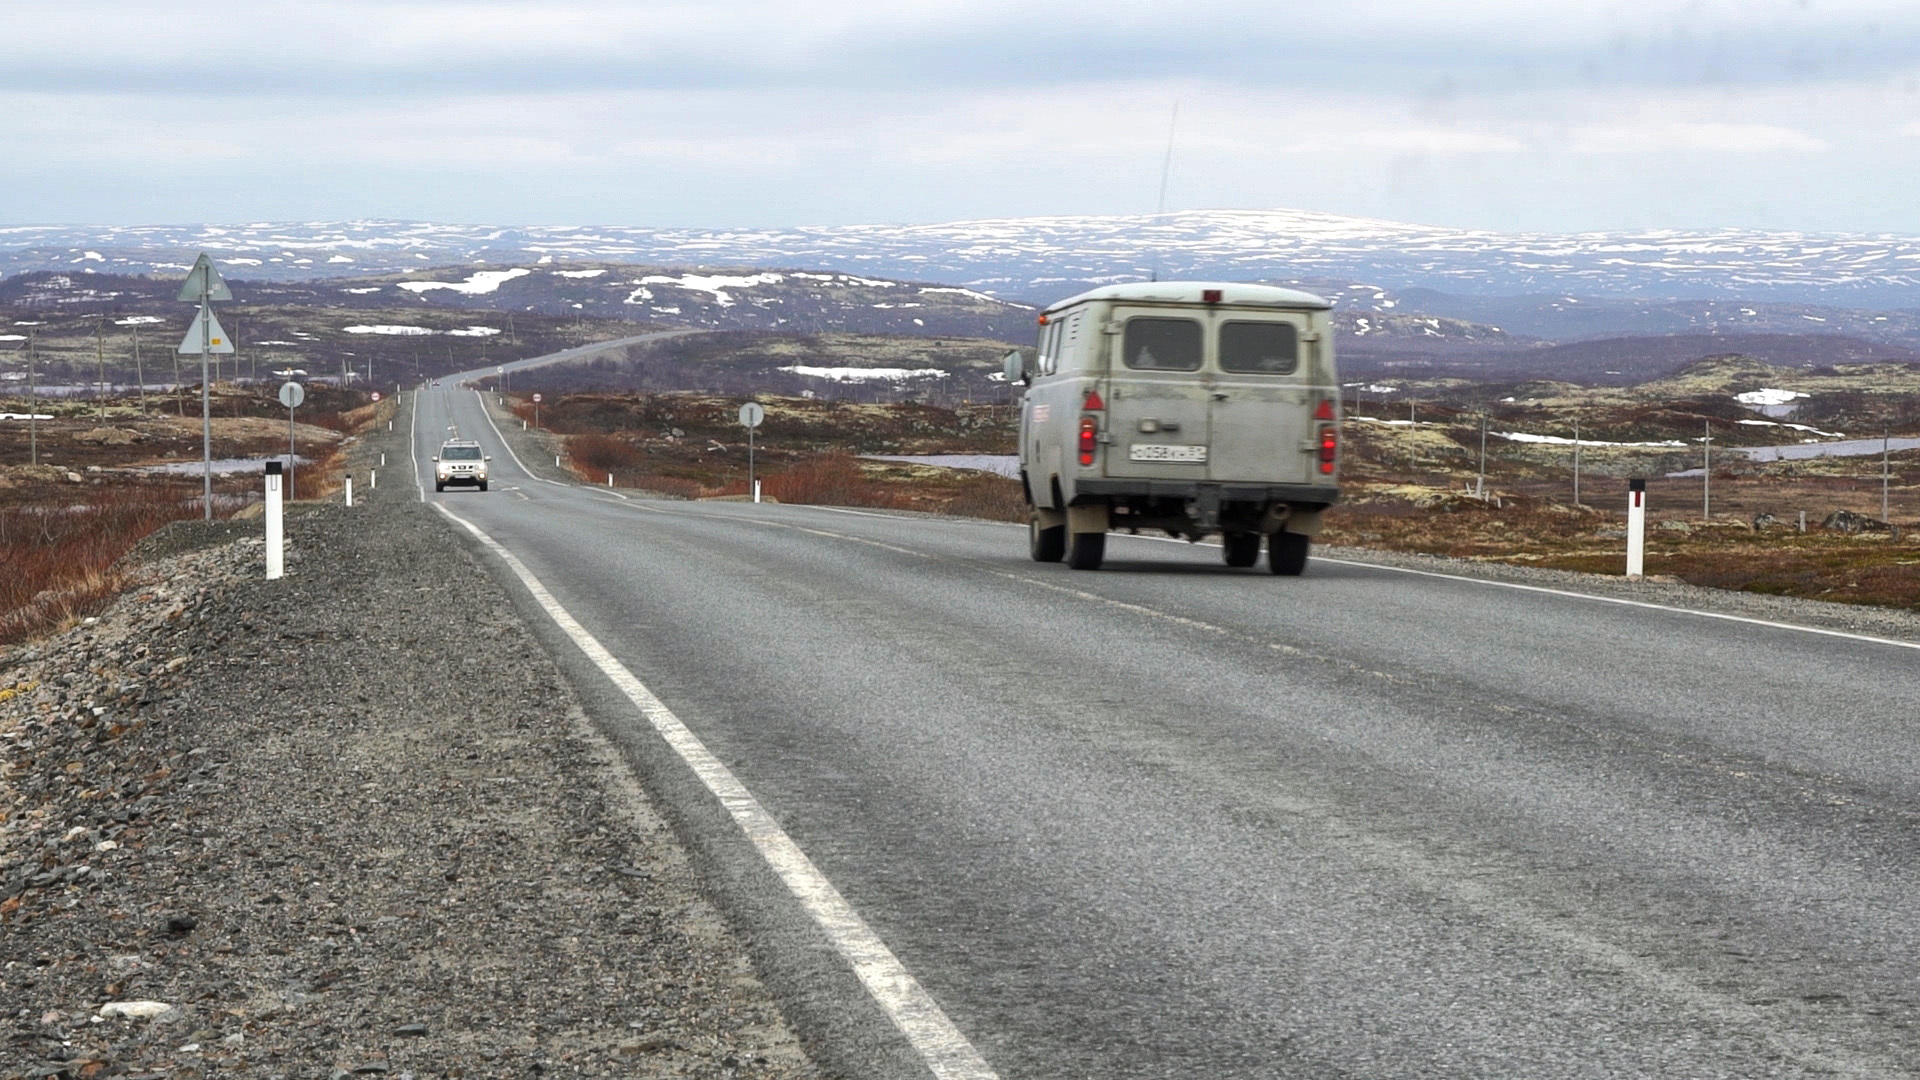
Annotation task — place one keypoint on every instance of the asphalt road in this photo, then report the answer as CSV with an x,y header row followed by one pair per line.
x,y
1175,820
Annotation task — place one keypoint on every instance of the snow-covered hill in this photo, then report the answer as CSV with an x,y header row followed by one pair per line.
x,y
1044,258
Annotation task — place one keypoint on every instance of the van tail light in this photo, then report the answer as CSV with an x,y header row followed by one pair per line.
x,y
1089,429
1329,448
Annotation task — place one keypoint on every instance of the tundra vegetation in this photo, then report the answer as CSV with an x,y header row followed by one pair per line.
x,y
101,484
1408,486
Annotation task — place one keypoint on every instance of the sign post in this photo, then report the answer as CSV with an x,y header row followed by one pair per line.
x,y
291,395
205,337
1636,529
750,416
536,410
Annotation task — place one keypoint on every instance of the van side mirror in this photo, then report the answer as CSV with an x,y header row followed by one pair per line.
x,y
1015,365
489,457
435,457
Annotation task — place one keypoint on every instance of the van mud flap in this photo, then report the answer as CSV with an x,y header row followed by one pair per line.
x,y
1204,507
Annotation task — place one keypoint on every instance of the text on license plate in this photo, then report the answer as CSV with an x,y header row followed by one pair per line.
x,y
1165,452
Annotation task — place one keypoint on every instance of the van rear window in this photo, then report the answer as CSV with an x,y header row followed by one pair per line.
x,y
1259,348
1162,345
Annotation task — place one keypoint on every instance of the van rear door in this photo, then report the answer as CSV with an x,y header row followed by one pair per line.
x,y
1156,406
1260,401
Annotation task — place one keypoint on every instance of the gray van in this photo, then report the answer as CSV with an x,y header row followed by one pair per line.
x,y
1190,408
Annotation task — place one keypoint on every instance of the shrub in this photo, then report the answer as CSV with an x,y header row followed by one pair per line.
x,y
603,453
58,562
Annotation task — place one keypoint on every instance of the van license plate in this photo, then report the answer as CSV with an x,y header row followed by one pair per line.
x,y
1196,455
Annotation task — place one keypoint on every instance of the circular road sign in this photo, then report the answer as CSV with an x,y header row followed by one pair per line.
x,y
292,394
751,414
376,395
536,399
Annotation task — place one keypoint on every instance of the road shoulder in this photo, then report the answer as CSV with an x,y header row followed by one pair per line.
x,y
354,819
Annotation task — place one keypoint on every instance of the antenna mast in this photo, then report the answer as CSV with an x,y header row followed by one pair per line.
x,y
1166,172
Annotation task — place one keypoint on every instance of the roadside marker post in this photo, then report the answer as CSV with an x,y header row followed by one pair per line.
x,y
750,416
1636,529
373,475
276,558
205,337
349,491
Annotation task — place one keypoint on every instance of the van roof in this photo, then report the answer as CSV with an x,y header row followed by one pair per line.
x,y
1189,292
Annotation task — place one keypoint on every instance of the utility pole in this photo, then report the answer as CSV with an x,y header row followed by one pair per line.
x,y
1886,472
1706,473
139,371
1480,484
179,389
100,358
33,404
1576,461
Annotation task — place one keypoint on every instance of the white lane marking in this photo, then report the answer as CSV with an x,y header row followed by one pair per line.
x,y
480,401
1569,594
946,1052
1750,621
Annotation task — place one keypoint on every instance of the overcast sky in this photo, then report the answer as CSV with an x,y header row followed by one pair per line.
x,y
1496,114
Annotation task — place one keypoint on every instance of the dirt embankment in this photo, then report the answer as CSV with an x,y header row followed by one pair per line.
x,y
348,822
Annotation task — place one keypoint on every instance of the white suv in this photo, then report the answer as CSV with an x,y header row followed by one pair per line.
x,y
460,462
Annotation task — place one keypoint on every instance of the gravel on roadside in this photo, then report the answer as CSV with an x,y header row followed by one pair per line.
x,y
352,822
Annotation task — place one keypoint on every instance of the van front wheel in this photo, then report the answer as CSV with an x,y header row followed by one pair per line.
x,y
1240,548
1045,543
1287,553
1085,550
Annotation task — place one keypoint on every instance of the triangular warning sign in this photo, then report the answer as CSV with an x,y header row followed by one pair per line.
x,y
204,282
216,341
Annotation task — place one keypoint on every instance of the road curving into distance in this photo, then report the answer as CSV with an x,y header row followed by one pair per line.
x,y
1170,819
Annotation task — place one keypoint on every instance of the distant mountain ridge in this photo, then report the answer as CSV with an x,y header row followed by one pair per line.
x,y
1044,258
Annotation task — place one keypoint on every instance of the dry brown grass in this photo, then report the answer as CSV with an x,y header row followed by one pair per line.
x,y
59,560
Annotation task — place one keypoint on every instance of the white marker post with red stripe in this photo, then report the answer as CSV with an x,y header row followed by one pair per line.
x,y
1636,529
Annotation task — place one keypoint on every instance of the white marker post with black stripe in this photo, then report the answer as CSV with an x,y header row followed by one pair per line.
x,y
276,562
1636,529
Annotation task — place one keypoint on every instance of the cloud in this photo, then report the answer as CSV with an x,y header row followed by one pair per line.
x,y
1679,137
364,48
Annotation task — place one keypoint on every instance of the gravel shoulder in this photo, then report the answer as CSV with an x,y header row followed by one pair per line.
x,y
352,822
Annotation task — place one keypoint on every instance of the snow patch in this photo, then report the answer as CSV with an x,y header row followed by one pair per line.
x,y
1558,440
364,290
717,284
384,328
852,374
1796,427
473,331
578,273
968,293
481,281
138,320
1768,396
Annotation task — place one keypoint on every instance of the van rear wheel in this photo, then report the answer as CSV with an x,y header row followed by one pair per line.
x,y
1085,550
1287,553
1240,548
1045,543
